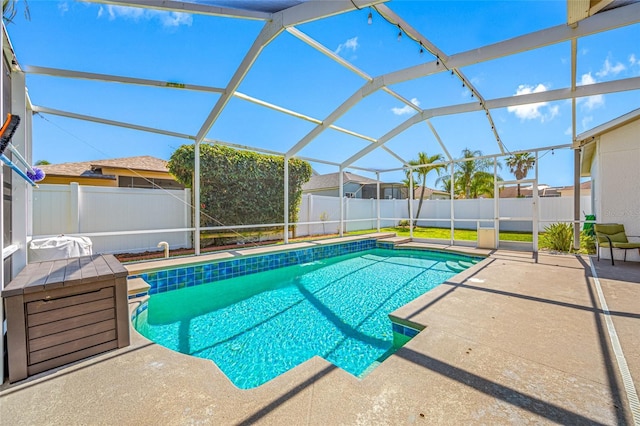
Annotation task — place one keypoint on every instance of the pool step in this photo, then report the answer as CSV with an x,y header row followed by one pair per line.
x,y
395,240
137,287
460,265
455,266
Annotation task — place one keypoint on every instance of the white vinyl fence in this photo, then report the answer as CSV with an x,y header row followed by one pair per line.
x,y
166,214
86,210
361,214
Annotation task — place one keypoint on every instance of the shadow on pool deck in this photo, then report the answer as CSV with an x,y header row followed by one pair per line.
x,y
517,338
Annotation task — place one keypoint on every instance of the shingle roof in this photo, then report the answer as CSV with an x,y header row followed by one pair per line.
x,y
332,180
86,168
427,192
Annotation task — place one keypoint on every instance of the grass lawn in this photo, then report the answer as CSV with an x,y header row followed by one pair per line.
x,y
445,233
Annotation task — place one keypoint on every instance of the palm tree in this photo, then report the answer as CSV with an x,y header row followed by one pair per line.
x,y
472,178
9,10
426,164
445,184
519,165
407,183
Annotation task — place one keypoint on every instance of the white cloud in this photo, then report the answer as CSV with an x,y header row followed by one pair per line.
x,y
168,19
634,62
406,109
351,44
586,121
134,13
175,19
607,69
591,102
552,113
63,7
535,111
569,131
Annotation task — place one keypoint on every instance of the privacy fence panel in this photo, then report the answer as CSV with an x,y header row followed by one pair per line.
x,y
436,213
78,209
75,209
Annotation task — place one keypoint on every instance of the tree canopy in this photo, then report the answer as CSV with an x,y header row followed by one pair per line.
x,y
473,177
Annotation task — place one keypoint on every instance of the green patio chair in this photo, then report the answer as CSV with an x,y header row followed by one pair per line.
x,y
612,235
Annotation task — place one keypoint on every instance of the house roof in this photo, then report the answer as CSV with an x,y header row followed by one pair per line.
x,y
427,192
583,185
332,180
90,169
543,190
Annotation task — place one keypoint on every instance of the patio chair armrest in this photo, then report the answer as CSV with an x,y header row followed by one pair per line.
x,y
600,234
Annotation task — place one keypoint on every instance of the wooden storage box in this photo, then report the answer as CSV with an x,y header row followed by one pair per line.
x,y
62,311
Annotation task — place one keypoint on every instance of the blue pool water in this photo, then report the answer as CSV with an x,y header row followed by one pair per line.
x,y
258,326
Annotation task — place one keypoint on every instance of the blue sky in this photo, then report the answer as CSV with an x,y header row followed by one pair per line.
x,y
206,50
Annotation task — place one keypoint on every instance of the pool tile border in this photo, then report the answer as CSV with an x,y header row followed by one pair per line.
x,y
189,276
404,330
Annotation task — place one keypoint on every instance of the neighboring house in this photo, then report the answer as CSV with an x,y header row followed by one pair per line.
x,y
131,172
610,155
567,191
544,191
355,186
431,194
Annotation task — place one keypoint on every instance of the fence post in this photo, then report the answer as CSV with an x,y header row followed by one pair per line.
x,y
186,193
378,201
309,213
74,207
346,214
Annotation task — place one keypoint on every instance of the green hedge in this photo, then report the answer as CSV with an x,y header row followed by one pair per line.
x,y
241,187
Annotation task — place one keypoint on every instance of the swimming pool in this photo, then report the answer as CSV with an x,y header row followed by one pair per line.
x,y
258,326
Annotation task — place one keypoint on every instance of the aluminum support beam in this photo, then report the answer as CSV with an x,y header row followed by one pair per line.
x,y
286,200
196,198
341,195
576,152
378,201
552,95
80,75
314,10
45,110
269,32
20,189
442,57
606,87
536,211
451,206
410,203
615,18
437,136
56,72
299,115
304,12
358,95
384,139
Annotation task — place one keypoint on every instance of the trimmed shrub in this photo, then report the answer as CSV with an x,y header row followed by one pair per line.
x,y
241,187
559,237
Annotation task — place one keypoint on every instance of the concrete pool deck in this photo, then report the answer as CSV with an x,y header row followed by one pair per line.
x,y
517,338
